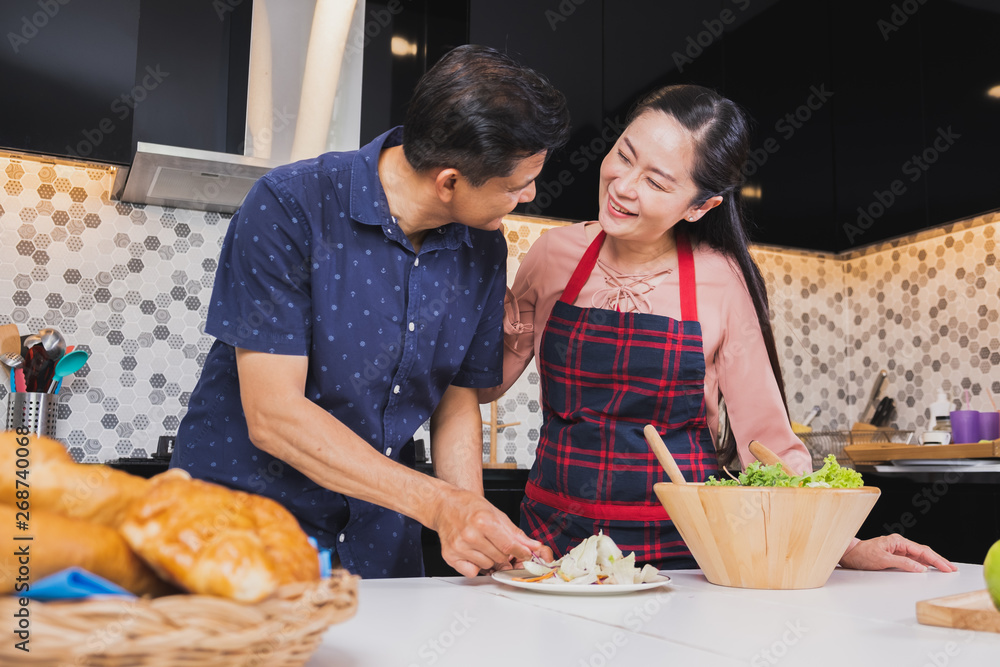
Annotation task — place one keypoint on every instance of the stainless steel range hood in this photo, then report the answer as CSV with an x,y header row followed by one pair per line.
x,y
303,53
188,178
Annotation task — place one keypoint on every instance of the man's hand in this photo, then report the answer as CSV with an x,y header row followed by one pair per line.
x,y
477,536
894,551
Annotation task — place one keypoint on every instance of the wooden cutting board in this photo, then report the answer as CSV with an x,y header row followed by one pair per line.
x,y
878,452
968,611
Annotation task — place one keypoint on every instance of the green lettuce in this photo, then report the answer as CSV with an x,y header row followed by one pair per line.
x,y
831,476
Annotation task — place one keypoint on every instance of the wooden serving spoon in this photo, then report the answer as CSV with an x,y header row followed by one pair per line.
x,y
765,455
663,455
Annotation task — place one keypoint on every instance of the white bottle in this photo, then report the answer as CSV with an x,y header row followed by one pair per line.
x,y
940,408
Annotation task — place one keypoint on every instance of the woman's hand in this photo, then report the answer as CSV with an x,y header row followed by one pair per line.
x,y
893,551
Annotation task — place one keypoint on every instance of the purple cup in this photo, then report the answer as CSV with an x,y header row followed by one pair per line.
x,y
989,425
964,426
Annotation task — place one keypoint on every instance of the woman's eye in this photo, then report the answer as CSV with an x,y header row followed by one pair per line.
x,y
655,185
624,159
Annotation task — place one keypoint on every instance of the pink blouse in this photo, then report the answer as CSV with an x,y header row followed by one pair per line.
x,y
735,357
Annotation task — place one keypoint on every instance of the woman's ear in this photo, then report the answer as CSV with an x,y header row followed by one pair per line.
x,y
695,212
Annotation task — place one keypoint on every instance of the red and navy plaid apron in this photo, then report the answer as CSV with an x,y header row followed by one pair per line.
x,y
605,375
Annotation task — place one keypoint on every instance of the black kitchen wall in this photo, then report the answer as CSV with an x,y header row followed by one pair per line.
x,y
872,117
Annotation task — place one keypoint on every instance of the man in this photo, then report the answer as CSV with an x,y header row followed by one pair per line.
x,y
359,294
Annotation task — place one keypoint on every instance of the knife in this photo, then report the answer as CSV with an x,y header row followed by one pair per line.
x,y
884,411
869,410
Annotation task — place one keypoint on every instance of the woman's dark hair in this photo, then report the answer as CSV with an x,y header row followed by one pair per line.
x,y
721,136
480,112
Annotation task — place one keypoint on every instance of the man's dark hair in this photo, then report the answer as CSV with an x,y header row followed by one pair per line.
x,y
480,112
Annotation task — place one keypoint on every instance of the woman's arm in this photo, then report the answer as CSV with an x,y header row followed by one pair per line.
x,y
519,323
753,401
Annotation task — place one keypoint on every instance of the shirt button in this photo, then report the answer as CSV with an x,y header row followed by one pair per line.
x,y
395,389
412,327
341,538
416,262
388,452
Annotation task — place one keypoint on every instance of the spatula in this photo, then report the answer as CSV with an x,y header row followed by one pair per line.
x,y
765,455
10,340
663,455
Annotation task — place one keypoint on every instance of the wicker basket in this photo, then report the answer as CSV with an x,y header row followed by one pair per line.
x,y
184,630
822,443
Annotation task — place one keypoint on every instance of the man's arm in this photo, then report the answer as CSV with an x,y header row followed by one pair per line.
x,y
457,439
287,425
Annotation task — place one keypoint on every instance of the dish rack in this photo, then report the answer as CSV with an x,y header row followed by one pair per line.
x,y
822,443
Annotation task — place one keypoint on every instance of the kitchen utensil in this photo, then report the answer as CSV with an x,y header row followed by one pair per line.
x,y
12,361
823,443
10,339
663,455
30,342
869,410
33,411
38,368
766,537
53,342
969,611
883,413
70,363
765,455
812,415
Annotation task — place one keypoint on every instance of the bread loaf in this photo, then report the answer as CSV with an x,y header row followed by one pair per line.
x,y
212,540
93,493
59,543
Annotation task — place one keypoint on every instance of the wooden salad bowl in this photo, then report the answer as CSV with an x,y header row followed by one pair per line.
x,y
766,537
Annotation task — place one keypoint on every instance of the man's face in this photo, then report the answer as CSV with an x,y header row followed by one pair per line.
x,y
485,206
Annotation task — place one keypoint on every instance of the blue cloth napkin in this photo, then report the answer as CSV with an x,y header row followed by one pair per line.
x,y
325,558
73,583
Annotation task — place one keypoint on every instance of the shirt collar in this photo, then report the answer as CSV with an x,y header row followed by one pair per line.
x,y
369,205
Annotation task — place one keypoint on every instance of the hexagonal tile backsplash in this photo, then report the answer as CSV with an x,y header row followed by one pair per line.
x,y
131,285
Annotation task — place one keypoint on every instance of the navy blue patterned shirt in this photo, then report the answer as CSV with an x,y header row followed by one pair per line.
x,y
313,264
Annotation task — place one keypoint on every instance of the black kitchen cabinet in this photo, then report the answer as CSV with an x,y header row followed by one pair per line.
x,y
784,79
956,514
67,71
562,40
88,79
871,117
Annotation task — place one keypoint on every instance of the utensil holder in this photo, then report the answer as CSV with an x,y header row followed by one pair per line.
x,y
34,411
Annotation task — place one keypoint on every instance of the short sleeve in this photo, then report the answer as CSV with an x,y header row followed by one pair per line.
x,y
483,364
261,298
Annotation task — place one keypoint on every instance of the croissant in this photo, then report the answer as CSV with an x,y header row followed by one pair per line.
x,y
95,493
212,540
58,543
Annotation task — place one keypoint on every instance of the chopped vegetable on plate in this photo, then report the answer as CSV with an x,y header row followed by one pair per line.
x,y
597,560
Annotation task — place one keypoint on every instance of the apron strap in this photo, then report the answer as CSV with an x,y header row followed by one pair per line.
x,y
685,274
583,270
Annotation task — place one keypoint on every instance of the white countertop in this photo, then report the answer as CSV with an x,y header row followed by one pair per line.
x,y
860,618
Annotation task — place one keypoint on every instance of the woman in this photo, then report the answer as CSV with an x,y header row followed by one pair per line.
x,y
644,316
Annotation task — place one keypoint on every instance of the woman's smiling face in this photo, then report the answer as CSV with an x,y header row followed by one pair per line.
x,y
646,186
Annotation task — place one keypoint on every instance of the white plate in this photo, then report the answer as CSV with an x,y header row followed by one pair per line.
x,y
945,462
507,577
